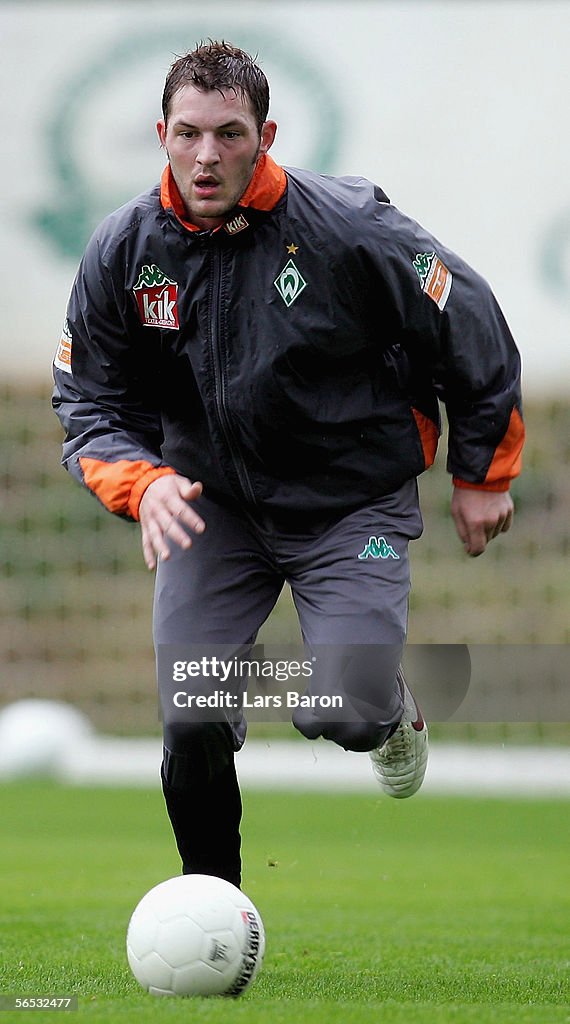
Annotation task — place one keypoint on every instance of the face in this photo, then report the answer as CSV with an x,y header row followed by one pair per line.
x,y
213,145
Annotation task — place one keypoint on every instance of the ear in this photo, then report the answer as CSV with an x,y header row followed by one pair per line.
x,y
161,131
268,133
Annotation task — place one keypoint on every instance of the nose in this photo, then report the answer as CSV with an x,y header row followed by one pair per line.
x,y
208,153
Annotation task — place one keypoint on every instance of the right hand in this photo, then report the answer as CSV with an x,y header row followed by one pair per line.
x,y
480,516
164,511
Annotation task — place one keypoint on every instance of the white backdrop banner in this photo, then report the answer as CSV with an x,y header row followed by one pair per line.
x,y
457,108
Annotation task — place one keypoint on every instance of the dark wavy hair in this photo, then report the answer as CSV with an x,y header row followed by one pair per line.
x,y
221,66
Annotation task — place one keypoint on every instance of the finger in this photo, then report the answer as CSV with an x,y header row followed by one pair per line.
x,y
190,490
460,526
472,538
154,544
177,534
476,541
162,528
176,518
508,522
148,553
189,517
502,525
474,550
177,505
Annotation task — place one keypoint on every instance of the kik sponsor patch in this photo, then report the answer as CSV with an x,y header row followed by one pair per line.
x,y
157,298
239,223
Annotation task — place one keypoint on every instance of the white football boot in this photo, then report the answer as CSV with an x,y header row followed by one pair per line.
x,y
400,764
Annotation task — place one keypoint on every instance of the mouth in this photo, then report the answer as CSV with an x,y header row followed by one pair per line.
x,y
205,186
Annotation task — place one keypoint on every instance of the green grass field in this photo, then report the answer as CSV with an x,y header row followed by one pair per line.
x,y
430,910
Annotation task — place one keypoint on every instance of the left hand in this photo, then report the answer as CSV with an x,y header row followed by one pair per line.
x,y
480,516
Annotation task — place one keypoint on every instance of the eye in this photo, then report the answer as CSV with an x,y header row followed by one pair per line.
x,y
232,135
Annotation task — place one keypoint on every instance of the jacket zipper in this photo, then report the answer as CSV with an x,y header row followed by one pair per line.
x,y
220,389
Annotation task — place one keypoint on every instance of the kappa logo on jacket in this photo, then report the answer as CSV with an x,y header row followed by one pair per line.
x,y
435,278
157,298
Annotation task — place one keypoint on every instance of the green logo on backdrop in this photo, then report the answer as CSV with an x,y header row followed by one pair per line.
x,y
82,200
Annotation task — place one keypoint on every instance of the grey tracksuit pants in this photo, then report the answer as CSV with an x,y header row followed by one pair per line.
x,y
349,578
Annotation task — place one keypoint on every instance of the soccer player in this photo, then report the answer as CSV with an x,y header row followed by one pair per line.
x,y
251,367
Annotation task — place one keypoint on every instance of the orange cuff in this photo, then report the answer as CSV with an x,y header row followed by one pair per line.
x,y
141,485
495,485
506,462
120,485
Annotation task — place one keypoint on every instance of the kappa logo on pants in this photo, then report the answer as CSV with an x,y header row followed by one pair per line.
x,y
378,547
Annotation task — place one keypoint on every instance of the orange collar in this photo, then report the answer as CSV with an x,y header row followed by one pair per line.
x,y
265,189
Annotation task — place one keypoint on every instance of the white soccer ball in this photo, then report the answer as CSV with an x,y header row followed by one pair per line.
x,y
195,935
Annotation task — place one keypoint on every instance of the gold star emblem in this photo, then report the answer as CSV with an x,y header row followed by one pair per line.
x,y
292,249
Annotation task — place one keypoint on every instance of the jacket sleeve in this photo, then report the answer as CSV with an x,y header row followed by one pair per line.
x,y
105,391
456,336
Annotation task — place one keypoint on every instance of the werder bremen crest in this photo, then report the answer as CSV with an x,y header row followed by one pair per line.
x,y
157,298
290,283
